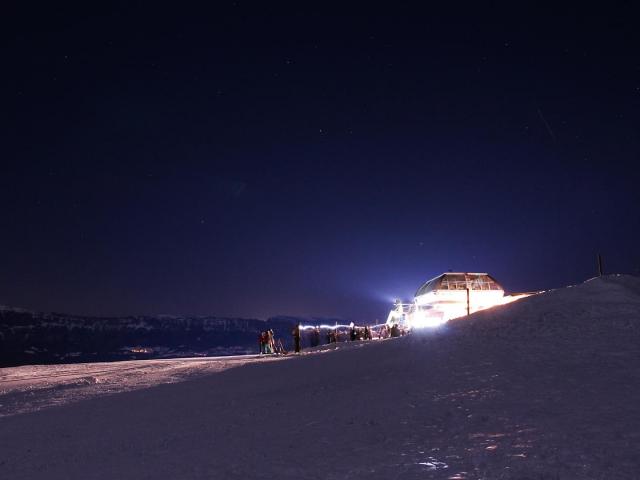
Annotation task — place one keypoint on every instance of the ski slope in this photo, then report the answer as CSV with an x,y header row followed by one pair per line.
x,y
544,388
33,387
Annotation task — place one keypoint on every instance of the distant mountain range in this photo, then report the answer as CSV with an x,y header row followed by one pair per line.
x,y
33,338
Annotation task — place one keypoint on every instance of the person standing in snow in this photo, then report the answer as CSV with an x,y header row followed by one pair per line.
x,y
296,338
367,333
271,341
315,337
382,333
395,331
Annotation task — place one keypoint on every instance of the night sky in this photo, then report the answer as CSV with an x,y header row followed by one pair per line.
x,y
305,159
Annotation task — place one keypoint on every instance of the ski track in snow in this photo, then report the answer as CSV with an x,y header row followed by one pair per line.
x,y
544,388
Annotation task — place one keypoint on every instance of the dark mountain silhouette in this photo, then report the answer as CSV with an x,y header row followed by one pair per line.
x,y
32,338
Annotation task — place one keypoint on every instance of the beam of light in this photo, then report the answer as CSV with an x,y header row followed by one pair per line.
x,y
513,298
379,325
334,327
547,126
422,320
437,308
323,327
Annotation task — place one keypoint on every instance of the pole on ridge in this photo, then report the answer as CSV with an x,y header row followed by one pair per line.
x,y
600,272
468,301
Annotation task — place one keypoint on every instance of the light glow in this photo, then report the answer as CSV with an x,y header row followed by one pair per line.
x,y
422,320
450,296
323,327
513,298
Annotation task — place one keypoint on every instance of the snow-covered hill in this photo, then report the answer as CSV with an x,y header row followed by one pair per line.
x,y
545,388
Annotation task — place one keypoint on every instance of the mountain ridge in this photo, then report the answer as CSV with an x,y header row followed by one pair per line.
x,y
28,337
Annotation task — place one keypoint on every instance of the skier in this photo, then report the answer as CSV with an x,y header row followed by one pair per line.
x,y
382,333
266,347
367,333
271,341
296,338
315,337
395,331
263,342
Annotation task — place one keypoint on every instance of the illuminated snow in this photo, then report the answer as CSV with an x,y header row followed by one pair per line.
x,y
546,387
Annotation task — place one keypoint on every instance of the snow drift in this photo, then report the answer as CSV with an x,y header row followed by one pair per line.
x,y
545,388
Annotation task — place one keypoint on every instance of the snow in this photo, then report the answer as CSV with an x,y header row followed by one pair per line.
x,y
544,388
32,387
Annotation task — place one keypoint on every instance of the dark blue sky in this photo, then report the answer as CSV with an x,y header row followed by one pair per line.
x,y
252,159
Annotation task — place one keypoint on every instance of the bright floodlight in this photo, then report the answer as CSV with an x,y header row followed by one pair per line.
x,y
447,296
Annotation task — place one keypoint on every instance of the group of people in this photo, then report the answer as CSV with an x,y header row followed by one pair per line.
x,y
334,335
356,333
391,332
269,344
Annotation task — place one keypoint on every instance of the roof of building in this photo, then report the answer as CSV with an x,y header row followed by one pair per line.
x,y
459,281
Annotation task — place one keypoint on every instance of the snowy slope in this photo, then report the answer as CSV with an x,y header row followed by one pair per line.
x,y
32,387
546,388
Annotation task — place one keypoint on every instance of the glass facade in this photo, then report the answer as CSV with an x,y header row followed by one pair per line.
x,y
460,281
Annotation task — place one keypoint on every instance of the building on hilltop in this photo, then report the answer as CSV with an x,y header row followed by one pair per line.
x,y
449,295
